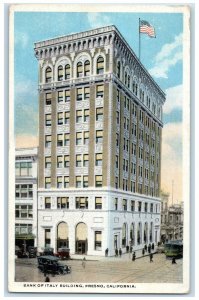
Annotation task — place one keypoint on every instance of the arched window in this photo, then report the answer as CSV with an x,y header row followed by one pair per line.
x,y
118,69
79,69
48,74
67,71
87,68
125,78
100,65
128,84
60,73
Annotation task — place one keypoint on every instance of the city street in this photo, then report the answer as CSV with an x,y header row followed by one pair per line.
x,y
108,269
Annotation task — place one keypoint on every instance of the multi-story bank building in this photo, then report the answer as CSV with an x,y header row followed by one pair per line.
x,y
100,129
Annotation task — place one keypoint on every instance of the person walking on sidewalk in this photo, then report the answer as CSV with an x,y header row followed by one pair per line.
x,y
116,252
151,257
120,252
133,256
84,262
106,252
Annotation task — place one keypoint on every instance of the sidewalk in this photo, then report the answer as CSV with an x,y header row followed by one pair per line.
x,y
125,256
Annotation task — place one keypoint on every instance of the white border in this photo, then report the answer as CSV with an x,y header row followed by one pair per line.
x,y
141,288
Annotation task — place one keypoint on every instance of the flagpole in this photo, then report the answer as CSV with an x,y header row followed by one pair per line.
x,y
139,38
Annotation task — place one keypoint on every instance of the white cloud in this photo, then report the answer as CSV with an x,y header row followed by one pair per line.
x,y
96,19
174,99
24,86
21,38
169,56
172,160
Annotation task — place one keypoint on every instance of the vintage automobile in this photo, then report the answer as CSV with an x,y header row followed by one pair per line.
x,y
63,253
47,251
50,264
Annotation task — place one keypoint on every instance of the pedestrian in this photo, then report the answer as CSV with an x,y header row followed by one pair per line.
x,y
127,248
151,257
47,279
133,256
106,252
143,251
149,248
116,252
84,262
131,249
173,260
120,252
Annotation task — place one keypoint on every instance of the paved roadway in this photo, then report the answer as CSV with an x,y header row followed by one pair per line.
x,y
108,269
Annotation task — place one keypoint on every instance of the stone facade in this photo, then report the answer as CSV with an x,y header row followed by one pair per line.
x,y
100,144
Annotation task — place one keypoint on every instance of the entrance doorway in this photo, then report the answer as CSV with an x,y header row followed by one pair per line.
x,y
81,242
81,247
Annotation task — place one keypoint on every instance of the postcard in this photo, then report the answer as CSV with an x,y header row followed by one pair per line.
x,y
99,148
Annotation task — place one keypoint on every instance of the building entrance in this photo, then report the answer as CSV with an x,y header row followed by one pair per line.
x,y
81,247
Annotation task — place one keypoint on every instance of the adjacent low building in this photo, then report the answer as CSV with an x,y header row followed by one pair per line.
x,y
100,132
26,197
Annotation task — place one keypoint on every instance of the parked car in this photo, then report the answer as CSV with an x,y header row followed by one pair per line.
x,y
32,252
47,251
51,264
63,253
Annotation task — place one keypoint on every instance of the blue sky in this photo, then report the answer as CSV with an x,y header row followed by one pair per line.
x,y
161,56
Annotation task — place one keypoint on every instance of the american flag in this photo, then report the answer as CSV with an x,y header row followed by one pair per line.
x,y
147,28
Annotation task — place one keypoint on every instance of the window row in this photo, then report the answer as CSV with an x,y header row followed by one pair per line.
x,y
23,168
136,206
23,229
23,212
23,191
82,70
82,93
80,203
80,181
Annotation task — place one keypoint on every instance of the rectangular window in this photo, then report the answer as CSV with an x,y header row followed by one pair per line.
x,y
47,182
116,203
98,202
23,212
48,98
139,206
117,161
24,191
133,186
59,140
48,120
79,94
67,95
124,204
60,96
98,159
47,238
118,96
98,240
118,117
66,181
48,141
62,202
48,162
151,207
132,205
98,181
66,139
47,202
99,136
86,93
60,118
78,116
86,115
99,114
117,139
59,161
66,117
86,137
85,181
23,168
59,182
116,182
85,160
99,91
145,206
79,138
81,202
23,228
78,160
78,181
